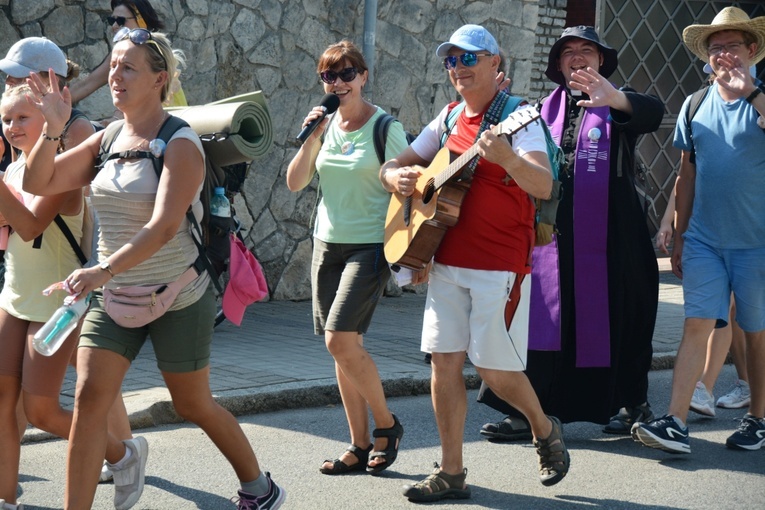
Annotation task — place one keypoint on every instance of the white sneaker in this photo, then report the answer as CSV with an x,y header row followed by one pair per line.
x,y
702,402
737,397
106,474
128,480
8,506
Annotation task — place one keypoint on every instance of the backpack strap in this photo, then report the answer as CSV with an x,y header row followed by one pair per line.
x,y
107,140
380,135
37,243
693,106
451,119
70,237
166,132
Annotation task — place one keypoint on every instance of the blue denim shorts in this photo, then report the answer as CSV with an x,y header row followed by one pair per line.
x,y
711,274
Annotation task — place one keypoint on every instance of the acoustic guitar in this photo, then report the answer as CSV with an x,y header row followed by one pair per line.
x,y
416,225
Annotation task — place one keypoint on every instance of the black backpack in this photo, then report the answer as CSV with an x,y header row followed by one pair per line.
x,y
213,232
380,135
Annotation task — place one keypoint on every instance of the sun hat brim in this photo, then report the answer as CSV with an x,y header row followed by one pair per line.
x,y
731,18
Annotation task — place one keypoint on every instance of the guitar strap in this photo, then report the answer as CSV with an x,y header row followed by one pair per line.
x,y
501,106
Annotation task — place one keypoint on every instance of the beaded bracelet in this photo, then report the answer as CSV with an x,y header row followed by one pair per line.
x,y
52,139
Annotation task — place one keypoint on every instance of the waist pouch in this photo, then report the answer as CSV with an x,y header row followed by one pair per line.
x,y
138,305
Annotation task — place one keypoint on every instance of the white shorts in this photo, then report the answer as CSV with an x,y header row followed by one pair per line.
x,y
465,311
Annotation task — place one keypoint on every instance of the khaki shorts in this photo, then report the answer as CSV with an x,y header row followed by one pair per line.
x,y
465,312
347,282
181,338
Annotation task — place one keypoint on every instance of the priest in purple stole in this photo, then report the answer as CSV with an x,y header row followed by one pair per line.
x,y
591,328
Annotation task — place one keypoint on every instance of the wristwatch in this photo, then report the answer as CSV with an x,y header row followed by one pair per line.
x,y
106,267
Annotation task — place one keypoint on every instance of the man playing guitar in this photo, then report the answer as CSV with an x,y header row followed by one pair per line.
x,y
477,301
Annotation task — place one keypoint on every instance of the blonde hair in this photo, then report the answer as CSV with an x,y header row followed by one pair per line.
x,y
165,58
15,92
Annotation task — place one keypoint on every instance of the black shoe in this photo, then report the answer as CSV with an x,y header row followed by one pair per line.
x,y
622,422
509,429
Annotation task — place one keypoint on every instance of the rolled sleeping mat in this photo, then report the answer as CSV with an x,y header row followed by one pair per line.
x,y
246,124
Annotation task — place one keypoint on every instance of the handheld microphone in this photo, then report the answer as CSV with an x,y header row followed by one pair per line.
x,y
330,103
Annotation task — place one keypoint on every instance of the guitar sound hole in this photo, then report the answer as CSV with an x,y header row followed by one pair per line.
x,y
428,192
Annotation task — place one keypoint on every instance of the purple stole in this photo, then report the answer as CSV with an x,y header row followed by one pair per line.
x,y
591,176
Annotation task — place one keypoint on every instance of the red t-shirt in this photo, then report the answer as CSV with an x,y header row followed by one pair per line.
x,y
495,230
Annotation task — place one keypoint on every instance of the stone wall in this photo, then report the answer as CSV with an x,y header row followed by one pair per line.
x,y
235,46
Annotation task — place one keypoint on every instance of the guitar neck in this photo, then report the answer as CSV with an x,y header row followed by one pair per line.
x,y
514,123
455,166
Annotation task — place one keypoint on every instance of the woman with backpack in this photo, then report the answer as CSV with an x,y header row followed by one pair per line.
x,y
349,272
38,54
145,242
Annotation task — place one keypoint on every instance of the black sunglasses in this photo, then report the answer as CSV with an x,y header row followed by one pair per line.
x,y
220,136
119,20
347,74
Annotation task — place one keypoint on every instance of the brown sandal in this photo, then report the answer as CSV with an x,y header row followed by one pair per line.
x,y
339,467
554,459
438,485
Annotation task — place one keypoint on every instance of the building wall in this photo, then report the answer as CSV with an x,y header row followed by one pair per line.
x,y
235,46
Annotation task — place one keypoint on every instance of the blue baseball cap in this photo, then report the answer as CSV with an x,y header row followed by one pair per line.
x,y
470,38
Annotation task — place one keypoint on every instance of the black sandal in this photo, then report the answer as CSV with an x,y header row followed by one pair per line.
x,y
554,460
339,467
394,435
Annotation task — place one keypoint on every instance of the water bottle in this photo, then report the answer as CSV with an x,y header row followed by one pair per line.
x,y
219,204
49,338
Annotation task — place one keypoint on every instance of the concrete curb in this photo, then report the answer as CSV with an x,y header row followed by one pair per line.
x,y
155,407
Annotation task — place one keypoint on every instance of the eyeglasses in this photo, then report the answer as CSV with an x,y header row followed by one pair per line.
x,y
220,136
728,48
468,59
348,74
119,20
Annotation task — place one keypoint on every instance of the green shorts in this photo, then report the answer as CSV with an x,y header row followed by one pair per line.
x,y
181,338
347,281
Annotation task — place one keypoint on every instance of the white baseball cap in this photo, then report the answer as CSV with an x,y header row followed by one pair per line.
x,y
33,55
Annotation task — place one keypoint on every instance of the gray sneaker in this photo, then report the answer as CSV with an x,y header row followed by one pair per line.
x,y
737,397
702,401
8,506
128,481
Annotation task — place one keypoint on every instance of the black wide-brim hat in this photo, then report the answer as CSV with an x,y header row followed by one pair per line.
x,y
610,58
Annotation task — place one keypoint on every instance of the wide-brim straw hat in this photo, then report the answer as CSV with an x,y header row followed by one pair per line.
x,y
731,18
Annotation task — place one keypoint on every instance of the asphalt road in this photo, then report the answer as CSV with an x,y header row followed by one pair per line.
x,y
185,471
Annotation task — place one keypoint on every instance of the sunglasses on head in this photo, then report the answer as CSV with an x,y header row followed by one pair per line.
x,y
137,36
468,59
119,20
347,74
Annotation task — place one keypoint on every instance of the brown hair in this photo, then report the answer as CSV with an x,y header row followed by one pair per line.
x,y
340,52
